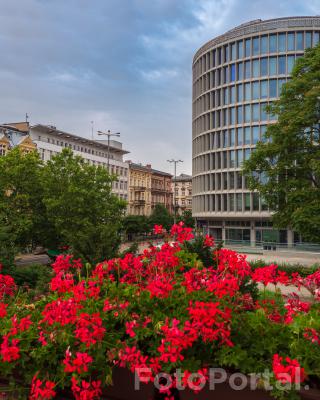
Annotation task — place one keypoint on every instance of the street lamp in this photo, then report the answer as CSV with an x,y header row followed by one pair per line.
x,y
109,134
174,186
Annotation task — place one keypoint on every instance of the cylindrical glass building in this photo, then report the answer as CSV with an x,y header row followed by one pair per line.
x,y
234,77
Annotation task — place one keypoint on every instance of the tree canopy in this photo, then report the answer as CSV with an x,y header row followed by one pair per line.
x,y
63,202
285,167
161,216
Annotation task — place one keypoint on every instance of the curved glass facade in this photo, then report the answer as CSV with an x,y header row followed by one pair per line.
x,y
234,77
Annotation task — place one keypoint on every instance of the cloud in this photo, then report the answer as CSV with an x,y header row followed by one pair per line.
x,y
124,64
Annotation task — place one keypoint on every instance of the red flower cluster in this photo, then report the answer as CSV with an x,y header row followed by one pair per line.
x,y
7,286
181,233
295,306
64,263
85,390
208,241
158,230
89,329
79,364
211,322
312,335
42,390
288,371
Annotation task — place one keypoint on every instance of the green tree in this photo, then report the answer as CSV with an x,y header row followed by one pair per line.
x,y
136,224
187,218
79,204
21,206
161,216
285,169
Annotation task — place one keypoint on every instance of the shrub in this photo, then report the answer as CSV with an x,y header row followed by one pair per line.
x,y
161,310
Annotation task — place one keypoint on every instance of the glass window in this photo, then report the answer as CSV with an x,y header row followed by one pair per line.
x,y
255,201
232,95
247,73
273,88
264,114
231,180
291,46
225,96
232,72
255,112
232,51
264,89
247,113
248,47
299,43
290,60
226,53
263,66
231,201
225,159
240,71
219,56
225,74
240,136
272,43
239,93
225,115
239,115
239,157
282,42
264,44
232,159
273,66
232,137
308,39
247,153
225,139
238,178
232,116
255,46
316,38
247,91
218,76
255,91
239,201
247,202
255,68
280,83
255,134
247,135
282,65
240,49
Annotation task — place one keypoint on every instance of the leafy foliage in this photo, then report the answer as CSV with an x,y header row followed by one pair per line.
x,y
161,216
285,169
65,201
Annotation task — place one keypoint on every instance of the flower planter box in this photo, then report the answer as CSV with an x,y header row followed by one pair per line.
x,y
123,389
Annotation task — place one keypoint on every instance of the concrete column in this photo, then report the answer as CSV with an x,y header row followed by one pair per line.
x,y
252,235
223,232
290,236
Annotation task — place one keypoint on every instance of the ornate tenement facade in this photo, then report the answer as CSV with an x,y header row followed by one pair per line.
x,y
235,76
182,184
148,187
16,134
139,189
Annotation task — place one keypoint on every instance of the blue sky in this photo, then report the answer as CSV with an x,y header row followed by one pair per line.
x,y
124,64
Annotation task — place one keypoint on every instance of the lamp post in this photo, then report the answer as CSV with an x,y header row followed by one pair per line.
x,y
174,187
109,134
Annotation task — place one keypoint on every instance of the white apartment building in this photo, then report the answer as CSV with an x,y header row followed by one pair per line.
x,y
50,141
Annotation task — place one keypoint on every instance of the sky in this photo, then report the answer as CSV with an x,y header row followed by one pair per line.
x,y
124,64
